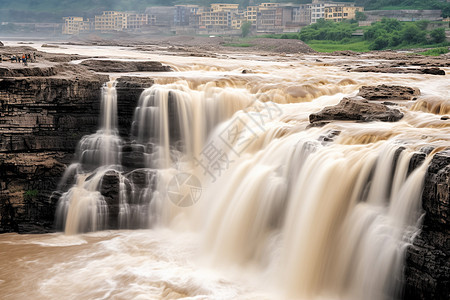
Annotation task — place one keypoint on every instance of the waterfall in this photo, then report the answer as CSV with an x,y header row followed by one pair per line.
x,y
323,212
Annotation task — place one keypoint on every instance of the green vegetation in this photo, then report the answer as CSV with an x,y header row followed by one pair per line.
x,y
328,36
405,4
328,30
436,51
393,34
246,28
356,44
30,194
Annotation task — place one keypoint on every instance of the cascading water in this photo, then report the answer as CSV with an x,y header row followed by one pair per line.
x,y
318,212
83,208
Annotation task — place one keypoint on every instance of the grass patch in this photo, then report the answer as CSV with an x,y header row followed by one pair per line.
x,y
238,45
355,44
436,51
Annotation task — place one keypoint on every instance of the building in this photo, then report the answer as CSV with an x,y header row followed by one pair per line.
x,y
301,14
318,8
136,21
339,13
237,20
215,20
251,14
119,21
219,17
232,8
110,21
76,25
404,15
184,14
162,16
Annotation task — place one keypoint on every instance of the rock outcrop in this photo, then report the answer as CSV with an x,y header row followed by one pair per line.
x,y
427,272
399,70
42,118
354,109
116,66
388,92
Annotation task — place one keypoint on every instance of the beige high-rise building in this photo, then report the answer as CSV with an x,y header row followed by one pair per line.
x,y
339,13
251,14
111,21
119,21
76,25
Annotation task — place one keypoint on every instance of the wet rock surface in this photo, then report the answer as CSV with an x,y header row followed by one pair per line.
x,y
388,92
427,272
45,109
357,109
116,66
399,70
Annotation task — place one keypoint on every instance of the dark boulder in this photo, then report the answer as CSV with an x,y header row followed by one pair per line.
x,y
388,92
354,109
433,71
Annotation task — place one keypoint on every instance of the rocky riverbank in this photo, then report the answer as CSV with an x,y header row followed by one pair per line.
x,y
44,111
47,107
427,272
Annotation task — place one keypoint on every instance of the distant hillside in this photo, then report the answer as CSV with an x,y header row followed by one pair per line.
x,y
406,4
54,10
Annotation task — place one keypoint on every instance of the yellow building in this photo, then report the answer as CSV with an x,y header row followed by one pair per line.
x,y
111,21
269,5
339,13
237,20
119,21
220,17
76,25
216,7
251,14
215,20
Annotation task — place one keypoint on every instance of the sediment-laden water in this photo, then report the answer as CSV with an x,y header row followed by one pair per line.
x,y
234,196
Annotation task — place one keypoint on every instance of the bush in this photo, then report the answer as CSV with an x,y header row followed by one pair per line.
x,y
412,34
438,35
246,28
436,51
380,42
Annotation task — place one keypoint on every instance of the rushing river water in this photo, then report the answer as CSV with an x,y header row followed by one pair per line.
x,y
241,200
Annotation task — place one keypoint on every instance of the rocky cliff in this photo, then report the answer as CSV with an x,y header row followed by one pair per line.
x,y
43,114
427,272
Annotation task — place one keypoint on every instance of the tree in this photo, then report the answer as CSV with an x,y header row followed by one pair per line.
x,y
360,16
438,35
246,28
412,34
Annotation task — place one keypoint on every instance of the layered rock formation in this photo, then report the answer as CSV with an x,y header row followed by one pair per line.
x,y
43,114
400,70
427,272
116,66
388,92
357,110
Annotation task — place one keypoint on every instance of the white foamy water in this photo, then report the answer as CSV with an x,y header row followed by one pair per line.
x,y
281,211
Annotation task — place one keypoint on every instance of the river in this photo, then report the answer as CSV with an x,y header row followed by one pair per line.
x,y
250,203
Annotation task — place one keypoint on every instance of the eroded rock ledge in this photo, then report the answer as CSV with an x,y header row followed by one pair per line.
x,y
388,92
355,109
44,111
116,66
427,272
